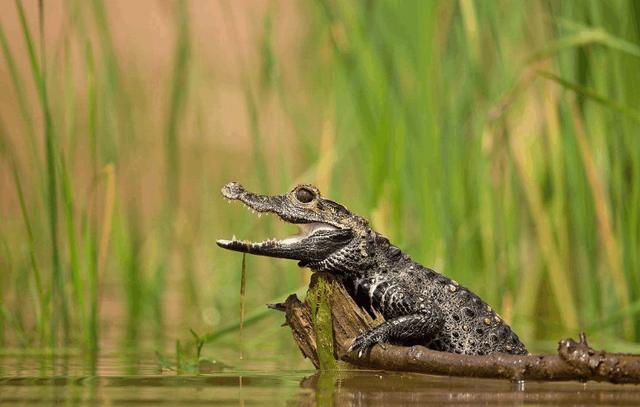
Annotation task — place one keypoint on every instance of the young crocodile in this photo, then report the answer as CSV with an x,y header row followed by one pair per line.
x,y
420,305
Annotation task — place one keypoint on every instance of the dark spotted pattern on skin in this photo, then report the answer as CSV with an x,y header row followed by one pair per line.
x,y
424,307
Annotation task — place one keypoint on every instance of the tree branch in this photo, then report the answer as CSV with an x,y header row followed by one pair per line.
x,y
574,361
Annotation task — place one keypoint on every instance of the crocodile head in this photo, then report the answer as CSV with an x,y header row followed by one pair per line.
x,y
328,231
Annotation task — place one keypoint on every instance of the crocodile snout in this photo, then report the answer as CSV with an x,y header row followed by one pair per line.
x,y
232,190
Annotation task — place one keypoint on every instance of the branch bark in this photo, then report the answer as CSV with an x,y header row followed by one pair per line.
x,y
575,359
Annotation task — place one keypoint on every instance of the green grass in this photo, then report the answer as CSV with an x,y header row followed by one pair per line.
x,y
495,141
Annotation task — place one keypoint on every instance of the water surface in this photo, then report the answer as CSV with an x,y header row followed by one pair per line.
x,y
120,379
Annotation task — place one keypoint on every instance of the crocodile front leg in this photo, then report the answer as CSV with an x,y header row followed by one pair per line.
x,y
403,329
410,317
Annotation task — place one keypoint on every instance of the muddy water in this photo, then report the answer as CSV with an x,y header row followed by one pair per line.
x,y
135,380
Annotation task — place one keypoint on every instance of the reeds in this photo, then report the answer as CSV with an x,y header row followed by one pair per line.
x,y
495,142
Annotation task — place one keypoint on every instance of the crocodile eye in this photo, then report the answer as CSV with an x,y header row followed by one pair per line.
x,y
305,195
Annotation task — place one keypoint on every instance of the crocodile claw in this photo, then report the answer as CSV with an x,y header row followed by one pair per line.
x,y
365,342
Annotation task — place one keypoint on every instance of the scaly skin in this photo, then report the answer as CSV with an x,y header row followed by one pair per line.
x,y
420,306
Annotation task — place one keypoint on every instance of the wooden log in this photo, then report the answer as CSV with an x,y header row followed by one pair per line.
x,y
574,361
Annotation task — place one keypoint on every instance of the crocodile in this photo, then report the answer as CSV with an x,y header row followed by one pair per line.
x,y
419,305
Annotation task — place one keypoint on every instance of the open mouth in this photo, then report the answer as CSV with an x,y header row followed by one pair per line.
x,y
270,204
305,230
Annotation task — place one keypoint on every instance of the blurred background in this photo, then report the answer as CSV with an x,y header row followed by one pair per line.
x,y
495,141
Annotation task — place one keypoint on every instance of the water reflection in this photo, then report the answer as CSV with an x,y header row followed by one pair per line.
x,y
45,379
371,388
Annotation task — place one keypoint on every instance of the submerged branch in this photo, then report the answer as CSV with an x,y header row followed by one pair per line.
x,y
574,361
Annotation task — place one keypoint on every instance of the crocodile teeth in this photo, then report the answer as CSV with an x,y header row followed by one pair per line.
x,y
232,191
304,231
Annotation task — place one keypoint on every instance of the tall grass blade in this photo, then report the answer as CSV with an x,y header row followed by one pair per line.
x,y
58,298
558,276
91,233
243,286
23,103
41,297
603,216
629,112
103,250
72,241
179,87
599,35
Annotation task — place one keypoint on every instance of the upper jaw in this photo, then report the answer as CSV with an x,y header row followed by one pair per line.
x,y
277,204
260,203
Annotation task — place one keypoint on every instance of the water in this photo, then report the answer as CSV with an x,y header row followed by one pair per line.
x,y
122,379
